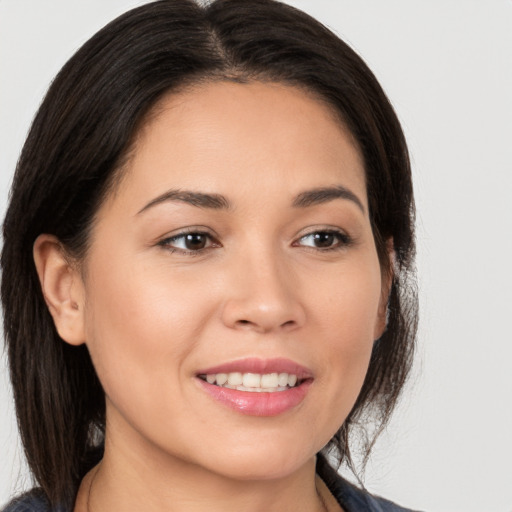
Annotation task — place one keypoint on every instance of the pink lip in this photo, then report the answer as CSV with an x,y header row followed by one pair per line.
x,y
255,365
258,404
255,403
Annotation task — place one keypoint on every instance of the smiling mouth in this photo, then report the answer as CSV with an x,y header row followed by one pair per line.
x,y
257,387
253,382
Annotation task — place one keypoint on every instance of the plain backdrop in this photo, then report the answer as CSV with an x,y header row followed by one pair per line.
x,y
447,67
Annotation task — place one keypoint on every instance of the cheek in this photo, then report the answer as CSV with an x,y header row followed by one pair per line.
x,y
347,304
141,325
346,316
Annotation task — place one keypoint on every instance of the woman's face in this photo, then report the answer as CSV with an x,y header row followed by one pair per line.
x,y
237,246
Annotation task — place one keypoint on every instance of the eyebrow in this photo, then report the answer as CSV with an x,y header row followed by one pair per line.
x,y
324,195
199,199
305,199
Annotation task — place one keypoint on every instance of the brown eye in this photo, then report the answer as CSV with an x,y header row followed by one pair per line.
x,y
188,242
195,241
325,240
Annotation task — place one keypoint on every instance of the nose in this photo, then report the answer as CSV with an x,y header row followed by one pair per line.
x,y
263,296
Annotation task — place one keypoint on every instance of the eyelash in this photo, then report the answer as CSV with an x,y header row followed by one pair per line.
x,y
343,241
189,252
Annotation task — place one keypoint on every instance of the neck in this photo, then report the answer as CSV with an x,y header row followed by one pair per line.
x,y
137,474
117,485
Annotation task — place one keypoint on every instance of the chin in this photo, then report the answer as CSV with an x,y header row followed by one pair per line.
x,y
260,460
264,468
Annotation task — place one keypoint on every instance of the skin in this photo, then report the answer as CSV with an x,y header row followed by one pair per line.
x,y
153,314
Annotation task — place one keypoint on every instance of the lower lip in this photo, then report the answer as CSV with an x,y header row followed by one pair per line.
x,y
258,404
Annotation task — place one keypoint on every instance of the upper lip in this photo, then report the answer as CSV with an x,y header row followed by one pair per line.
x,y
261,366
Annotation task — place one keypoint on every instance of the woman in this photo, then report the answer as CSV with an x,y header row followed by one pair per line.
x,y
206,266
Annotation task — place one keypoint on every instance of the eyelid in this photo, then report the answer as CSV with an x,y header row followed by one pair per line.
x,y
321,228
196,230
345,240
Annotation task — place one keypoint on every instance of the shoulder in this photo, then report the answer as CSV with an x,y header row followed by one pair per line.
x,y
352,498
32,501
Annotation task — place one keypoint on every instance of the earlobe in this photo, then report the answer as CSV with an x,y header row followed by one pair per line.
x,y
62,288
388,274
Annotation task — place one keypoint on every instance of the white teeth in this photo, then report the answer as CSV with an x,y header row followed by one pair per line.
x,y
255,382
221,378
251,380
269,380
235,379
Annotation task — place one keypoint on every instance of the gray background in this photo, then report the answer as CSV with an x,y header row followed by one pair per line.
x,y
447,67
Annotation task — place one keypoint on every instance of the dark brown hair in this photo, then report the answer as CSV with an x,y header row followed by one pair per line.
x,y
76,145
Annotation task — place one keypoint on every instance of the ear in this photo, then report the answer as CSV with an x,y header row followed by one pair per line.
x,y
388,273
62,288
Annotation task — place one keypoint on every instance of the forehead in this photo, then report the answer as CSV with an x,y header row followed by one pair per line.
x,y
223,135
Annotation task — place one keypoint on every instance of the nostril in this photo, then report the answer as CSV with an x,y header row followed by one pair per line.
x,y
247,324
289,325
